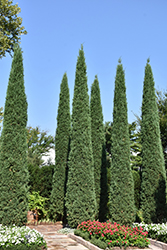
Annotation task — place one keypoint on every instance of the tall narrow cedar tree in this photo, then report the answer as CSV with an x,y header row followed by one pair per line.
x,y
153,186
80,196
61,151
122,207
13,152
98,147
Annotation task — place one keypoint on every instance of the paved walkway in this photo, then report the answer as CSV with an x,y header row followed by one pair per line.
x,y
57,241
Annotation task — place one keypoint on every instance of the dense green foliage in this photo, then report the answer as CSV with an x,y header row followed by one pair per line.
x,y
13,155
80,196
122,208
137,186
62,141
98,147
41,179
153,186
10,26
135,156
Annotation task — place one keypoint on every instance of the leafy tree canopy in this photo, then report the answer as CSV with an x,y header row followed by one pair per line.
x,y
39,144
10,26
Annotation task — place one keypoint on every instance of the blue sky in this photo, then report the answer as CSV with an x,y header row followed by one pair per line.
x,y
133,30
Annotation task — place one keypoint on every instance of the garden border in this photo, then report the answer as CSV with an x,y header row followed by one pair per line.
x,y
90,246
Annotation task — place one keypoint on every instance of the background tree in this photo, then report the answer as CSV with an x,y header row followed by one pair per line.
x,y
153,186
13,155
162,110
10,26
80,196
62,140
122,208
39,145
40,181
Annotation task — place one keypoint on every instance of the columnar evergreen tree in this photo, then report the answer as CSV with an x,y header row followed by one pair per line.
x,y
13,153
122,208
98,146
61,151
153,186
80,196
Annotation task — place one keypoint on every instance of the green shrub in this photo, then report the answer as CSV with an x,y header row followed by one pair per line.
x,y
99,243
37,202
84,235
41,179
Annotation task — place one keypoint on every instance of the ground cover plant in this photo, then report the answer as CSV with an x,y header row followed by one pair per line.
x,y
14,237
66,230
111,235
155,231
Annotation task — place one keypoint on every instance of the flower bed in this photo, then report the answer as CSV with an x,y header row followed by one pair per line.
x,y
21,238
111,235
155,231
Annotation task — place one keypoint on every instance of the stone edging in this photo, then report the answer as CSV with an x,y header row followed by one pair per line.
x,y
159,244
90,246
84,242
